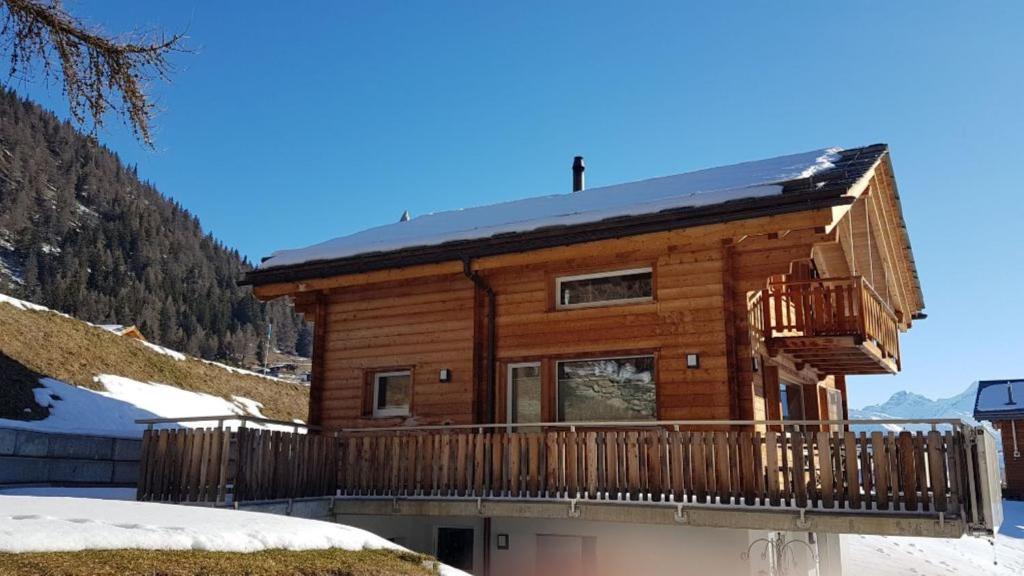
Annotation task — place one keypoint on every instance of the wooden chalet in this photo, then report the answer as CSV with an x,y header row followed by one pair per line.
x,y
669,351
751,308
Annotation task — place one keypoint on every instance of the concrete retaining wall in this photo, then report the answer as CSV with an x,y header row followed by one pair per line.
x,y
28,457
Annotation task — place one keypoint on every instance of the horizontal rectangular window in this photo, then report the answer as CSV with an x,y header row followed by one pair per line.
x,y
607,389
618,287
391,393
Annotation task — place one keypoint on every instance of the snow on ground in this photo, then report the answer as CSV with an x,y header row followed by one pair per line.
x,y
33,524
161,350
245,372
113,411
900,556
693,189
22,304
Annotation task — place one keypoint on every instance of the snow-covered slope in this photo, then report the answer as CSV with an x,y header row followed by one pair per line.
x,y
113,399
113,411
911,405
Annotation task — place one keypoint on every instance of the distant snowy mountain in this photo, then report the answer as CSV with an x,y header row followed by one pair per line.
x,y
911,405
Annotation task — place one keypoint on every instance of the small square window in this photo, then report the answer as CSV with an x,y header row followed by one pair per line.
x,y
391,393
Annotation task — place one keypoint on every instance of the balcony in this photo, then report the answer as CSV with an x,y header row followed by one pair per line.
x,y
835,325
937,482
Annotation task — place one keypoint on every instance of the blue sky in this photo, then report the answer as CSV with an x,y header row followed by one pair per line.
x,y
291,124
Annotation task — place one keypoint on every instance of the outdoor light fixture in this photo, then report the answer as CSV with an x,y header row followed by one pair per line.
x,y
755,364
502,541
445,375
693,360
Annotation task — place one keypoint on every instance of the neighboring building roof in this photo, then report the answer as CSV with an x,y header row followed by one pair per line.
x,y
1000,400
752,189
122,330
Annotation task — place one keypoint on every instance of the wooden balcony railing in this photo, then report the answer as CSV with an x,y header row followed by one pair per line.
x,y
825,308
730,464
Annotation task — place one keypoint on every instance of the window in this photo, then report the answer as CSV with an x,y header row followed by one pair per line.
x,y
619,287
524,393
391,393
607,389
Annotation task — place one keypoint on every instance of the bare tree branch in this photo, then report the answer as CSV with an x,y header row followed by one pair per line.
x,y
99,73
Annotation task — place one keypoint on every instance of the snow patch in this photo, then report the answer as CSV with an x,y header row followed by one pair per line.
x,y
29,524
245,372
161,350
22,304
693,189
113,411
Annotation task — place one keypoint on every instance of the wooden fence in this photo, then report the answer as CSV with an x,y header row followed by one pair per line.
x,y
686,463
923,471
217,465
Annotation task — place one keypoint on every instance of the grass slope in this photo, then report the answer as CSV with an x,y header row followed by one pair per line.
x,y
43,343
332,562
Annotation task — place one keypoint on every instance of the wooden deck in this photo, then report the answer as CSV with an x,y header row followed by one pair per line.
x,y
836,325
933,474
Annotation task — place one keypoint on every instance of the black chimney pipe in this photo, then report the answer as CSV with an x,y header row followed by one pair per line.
x,y
577,173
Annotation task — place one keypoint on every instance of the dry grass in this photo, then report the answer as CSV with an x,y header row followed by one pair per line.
x,y
333,562
72,351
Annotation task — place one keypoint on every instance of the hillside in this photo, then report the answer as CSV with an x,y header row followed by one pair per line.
x,y
49,362
80,233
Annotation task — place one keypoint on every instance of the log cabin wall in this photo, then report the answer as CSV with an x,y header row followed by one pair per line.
x,y
426,323
686,315
428,317
423,325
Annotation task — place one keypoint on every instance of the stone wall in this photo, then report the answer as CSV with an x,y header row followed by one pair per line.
x,y
28,457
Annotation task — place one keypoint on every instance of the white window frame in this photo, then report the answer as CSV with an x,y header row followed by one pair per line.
x,y
509,399
559,280
599,358
388,412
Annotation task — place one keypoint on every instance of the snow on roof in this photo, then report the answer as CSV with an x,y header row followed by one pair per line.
x,y
1000,399
692,189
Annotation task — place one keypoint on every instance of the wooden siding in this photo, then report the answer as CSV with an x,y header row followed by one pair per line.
x,y
686,316
424,324
431,317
